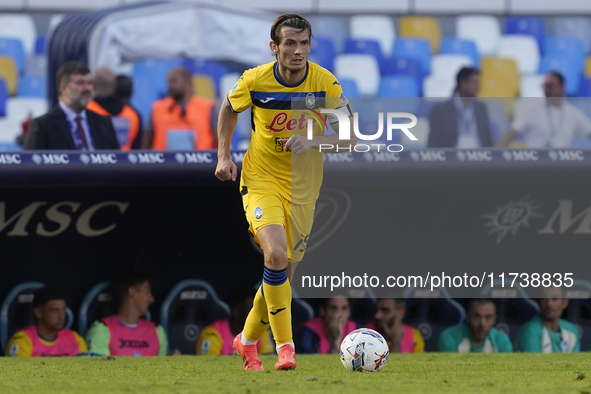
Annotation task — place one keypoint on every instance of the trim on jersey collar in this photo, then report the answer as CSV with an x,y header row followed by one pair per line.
x,y
282,82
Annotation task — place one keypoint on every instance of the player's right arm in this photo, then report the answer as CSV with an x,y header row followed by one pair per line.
x,y
227,119
98,337
19,345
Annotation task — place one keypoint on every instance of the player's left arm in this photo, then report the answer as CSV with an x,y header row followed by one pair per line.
x,y
163,351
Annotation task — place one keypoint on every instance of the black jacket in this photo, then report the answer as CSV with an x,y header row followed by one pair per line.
x,y
52,131
443,125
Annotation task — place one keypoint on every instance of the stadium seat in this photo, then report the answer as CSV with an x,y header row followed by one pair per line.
x,y
567,48
421,27
18,110
438,87
211,68
9,72
585,87
414,48
19,26
332,27
523,49
572,72
369,47
13,47
349,87
55,20
363,69
574,26
204,86
323,52
402,66
9,146
96,305
189,307
180,140
3,97
421,131
448,66
374,27
528,25
32,86
399,86
40,45
17,311
483,30
499,77
36,65
432,315
458,46
227,82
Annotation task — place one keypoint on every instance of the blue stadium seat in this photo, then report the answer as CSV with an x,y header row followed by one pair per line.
x,y
402,66
40,45
17,311
567,48
432,315
208,67
331,27
149,82
414,48
369,47
399,86
529,25
180,140
13,47
458,46
3,96
349,87
581,142
189,307
32,86
569,69
10,147
323,52
585,87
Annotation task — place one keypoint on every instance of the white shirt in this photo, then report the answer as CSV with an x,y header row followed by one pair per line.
x,y
71,117
468,137
548,126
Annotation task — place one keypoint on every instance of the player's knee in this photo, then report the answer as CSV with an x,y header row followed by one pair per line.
x,y
276,258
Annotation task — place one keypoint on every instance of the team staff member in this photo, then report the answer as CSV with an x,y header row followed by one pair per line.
x,y
181,111
126,120
47,337
126,333
278,201
401,338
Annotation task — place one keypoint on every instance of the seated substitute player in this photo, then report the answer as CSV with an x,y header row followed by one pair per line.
x,y
401,338
547,332
324,334
477,335
125,333
278,201
47,337
216,339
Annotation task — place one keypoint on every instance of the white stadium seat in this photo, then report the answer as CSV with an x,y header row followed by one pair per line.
x,y
363,69
374,27
523,49
531,86
19,109
447,66
19,26
483,30
437,87
227,81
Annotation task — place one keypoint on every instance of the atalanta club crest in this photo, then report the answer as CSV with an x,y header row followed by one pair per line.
x,y
310,100
258,213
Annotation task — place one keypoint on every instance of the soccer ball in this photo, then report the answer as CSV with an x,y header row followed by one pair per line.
x,y
364,350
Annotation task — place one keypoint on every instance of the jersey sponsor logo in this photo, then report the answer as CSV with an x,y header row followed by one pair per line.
x,y
281,122
133,343
258,213
279,146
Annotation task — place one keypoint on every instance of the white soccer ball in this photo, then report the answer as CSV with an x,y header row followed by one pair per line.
x,y
364,350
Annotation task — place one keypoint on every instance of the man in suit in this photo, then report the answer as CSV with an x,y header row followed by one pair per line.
x,y
69,125
461,122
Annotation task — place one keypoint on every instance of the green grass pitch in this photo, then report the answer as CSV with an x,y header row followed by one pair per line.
x,y
422,373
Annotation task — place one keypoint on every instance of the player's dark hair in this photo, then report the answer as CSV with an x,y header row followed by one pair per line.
x,y
239,294
46,294
123,282
124,88
464,75
481,301
558,76
290,20
67,70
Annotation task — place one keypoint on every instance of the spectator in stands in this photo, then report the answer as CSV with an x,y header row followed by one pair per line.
x,y
182,111
324,334
477,335
217,338
547,332
124,89
70,125
47,337
549,123
126,333
462,121
126,120
388,322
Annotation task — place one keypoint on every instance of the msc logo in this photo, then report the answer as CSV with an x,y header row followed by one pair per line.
x,y
521,155
194,157
381,156
10,158
474,155
566,155
98,158
51,158
146,158
428,155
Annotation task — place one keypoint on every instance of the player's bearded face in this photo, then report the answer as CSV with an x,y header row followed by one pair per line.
x,y
292,52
